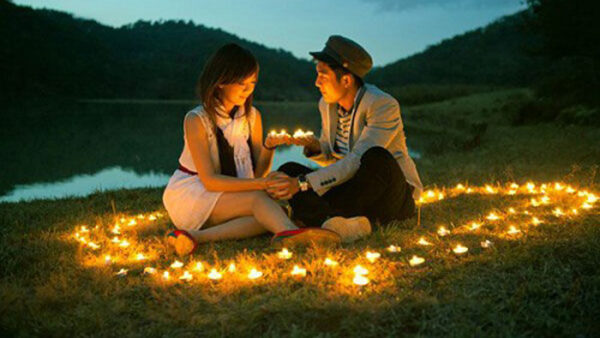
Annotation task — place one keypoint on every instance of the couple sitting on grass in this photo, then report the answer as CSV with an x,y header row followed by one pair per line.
x,y
223,188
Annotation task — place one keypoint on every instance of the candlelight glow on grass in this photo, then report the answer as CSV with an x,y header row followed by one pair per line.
x,y
119,247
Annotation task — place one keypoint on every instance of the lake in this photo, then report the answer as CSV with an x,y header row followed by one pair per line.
x,y
75,148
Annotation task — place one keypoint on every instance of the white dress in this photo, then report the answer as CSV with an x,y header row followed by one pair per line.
x,y
186,199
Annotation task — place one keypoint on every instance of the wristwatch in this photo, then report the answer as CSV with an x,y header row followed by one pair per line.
x,y
302,182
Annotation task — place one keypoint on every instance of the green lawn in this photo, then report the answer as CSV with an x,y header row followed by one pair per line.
x,y
542,281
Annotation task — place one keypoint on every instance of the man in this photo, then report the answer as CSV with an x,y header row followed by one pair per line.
x,y
367,173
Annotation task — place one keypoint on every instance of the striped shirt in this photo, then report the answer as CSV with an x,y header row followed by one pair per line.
x,y
342,134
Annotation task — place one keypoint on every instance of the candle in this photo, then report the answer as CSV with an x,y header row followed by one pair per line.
x,y
165,275
486,244
372,256
359,270
474,226
459,249
199,267
84,229
132,222
254,274
512,211
107,259
116,230
93,245
298,271
124,244
176,265
214,274
393,248
122,272
186,276
140,257
116,240
231,268
330,262
416,260
149,270
284,254
423,241
536,221
442,231
492,217
489,189
513,231
557,212
459,187
360,280
152,218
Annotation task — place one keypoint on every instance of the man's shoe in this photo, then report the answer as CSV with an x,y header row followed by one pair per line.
x,y
305,236
349,229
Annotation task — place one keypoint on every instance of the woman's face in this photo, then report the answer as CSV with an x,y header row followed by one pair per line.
x,y
236,93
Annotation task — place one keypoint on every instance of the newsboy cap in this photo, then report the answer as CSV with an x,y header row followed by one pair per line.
x,y
347,54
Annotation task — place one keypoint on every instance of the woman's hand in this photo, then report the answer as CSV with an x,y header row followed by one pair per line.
x,y
278,185
275,140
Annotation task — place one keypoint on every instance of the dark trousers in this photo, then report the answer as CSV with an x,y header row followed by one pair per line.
x,y
377,190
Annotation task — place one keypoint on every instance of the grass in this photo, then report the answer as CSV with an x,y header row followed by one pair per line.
x,y
544,281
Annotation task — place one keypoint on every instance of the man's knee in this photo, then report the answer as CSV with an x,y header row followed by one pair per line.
x,y
293,169
377,156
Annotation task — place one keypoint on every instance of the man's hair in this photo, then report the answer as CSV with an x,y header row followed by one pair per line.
x,y
340,71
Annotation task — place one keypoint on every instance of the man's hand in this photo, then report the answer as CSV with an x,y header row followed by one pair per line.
x,y
283,187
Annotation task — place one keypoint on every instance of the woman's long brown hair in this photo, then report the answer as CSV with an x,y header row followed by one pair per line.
x,y
230,63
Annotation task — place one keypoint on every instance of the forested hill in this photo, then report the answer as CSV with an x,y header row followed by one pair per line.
x,y
50,53
498,54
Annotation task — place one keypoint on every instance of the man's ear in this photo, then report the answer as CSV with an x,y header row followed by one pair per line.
x,y
347,80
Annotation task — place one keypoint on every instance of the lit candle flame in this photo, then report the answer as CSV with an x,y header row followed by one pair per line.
x,y
512,230
176,265
360,270
372,256
166,275
423,241
149,270
442,231
416,260
330,262
360,280
122,272
460,249
93,245
231,268
199,267
132,222
474,226
393,248
557,212
284,254
492,217
140,257
152,218
298,271
186,276
254,274
124,244
107,259
214,274
486,244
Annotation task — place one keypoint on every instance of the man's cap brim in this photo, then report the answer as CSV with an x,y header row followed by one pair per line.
x,y
322,56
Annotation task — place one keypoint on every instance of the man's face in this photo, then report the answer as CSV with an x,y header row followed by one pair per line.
x,y
330,87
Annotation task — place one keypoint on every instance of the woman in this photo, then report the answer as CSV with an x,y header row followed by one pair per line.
x,y
218,191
